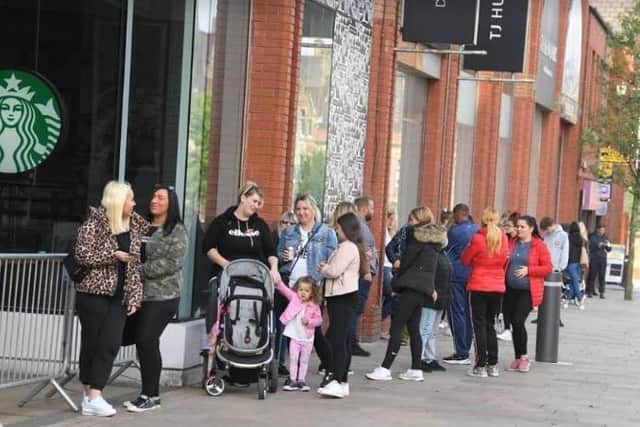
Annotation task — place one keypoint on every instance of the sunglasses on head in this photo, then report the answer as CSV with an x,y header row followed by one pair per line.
x,y
283,222
164,187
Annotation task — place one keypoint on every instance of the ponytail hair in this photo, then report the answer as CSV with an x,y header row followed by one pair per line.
x,y
490,219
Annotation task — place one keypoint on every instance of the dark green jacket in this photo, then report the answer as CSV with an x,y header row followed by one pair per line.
x,y
162,269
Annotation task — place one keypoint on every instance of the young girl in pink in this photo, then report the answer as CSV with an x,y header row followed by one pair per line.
x,y
301,317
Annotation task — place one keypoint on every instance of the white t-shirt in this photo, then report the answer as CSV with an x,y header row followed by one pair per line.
x,y
387,239
301,268
295,329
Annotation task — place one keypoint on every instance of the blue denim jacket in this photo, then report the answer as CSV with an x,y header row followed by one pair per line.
x,y
323,242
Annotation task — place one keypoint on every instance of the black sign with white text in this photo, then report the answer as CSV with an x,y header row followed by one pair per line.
x,y
440,21
502,33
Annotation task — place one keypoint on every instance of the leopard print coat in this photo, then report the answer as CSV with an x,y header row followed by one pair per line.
x,y
95,248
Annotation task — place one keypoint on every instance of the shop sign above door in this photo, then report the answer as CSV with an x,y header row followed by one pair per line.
x,y
441,21
31,120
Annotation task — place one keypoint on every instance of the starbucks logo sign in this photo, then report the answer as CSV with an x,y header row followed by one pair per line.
x,y
30,120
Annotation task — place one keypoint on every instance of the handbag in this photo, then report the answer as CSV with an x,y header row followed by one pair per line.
x,y
584,257
76,272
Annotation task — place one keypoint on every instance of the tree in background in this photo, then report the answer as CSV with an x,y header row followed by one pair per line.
x,y
614,128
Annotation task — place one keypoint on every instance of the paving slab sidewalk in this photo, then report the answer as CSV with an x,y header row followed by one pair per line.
x,y
596,384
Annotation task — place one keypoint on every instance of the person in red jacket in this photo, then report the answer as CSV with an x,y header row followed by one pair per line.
x,y
529,263
487,256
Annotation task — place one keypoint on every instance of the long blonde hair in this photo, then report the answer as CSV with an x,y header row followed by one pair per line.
x,y
422,214
341,209
114,196
490,218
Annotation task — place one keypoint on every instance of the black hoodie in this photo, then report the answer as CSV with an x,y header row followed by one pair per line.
x,y
236,239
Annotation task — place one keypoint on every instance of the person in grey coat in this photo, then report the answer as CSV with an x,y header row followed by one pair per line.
x,y
162,257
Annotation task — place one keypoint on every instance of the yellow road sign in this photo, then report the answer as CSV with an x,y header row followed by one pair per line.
x,y
611,155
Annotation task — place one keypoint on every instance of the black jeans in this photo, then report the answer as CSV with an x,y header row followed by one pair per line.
x,y
341,309
102,320
484,308
597,268
151,321
406,310
518,304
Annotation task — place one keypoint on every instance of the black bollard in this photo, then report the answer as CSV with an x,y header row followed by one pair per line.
x,y
548,332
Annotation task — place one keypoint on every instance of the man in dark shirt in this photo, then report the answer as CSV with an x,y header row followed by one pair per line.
x,y
599,245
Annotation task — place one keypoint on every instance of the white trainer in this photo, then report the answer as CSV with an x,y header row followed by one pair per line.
x,y
97,407
345,389
412,375
333,389
379,374
505,335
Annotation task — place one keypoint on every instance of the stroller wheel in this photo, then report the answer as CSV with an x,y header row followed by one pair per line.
x,y
262,387
214,386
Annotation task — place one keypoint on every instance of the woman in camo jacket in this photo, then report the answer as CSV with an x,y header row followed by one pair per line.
x,y
163,252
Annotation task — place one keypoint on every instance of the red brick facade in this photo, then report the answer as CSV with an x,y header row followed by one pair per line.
x,y
270,124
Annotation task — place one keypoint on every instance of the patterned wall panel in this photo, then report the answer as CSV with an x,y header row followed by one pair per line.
x,y
349,100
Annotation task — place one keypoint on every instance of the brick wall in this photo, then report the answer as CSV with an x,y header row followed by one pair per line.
x,y
273,81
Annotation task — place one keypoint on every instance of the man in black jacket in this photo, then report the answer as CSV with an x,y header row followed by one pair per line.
x,y
599,245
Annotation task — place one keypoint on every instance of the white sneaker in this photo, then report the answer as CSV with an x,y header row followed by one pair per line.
x,y
333,389
505,335
97,407
379,374
345,389
412,375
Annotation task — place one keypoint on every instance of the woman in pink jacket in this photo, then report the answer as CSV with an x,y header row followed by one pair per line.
x,y
300,319
342,271
487,255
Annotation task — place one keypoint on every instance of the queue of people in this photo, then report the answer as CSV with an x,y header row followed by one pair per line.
x,y
323,274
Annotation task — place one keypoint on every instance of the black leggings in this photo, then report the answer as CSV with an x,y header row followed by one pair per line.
x,y
406,310
151,321
517,303
341,309
102,320
484,308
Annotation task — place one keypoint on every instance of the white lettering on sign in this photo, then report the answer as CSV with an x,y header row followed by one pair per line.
x,y
441,3
496,15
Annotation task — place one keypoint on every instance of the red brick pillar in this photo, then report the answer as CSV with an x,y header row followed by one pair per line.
x,y
379,122
273,81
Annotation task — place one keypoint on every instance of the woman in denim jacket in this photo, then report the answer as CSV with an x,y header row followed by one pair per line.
x,y
301,249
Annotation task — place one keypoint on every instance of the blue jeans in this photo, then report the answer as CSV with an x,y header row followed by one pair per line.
x,y
386,292
363,295
575,272
460,319
429,331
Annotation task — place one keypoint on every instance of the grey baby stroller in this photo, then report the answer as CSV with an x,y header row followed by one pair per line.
x,y
241,329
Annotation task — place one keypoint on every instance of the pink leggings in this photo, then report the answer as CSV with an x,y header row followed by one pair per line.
x,y
299,352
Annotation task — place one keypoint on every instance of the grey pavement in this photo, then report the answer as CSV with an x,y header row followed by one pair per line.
x,y
596,384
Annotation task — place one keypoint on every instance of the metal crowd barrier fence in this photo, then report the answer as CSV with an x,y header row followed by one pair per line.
x,y
39,332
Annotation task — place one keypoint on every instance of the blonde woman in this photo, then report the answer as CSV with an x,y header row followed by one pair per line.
x,y
487,256
109,245
341,209
397,245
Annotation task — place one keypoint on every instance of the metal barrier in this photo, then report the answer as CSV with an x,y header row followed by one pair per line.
x,y
39,332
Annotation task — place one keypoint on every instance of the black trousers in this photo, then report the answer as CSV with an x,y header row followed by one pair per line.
x,y
102,320
151,320
484,308
597,269
518,304
406,310
341,309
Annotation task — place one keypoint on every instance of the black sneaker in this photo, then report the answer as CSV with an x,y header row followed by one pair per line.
x,y
143,405
359,351
283,371
435,366
425,367
601,296
454,359
139,400
326,380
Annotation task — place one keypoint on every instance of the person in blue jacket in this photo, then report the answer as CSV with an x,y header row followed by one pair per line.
x,y
459,236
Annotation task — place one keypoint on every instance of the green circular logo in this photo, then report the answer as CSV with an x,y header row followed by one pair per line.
x,y
30,120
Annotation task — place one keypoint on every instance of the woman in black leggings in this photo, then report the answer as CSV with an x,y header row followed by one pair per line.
x,y
162,255
413,287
